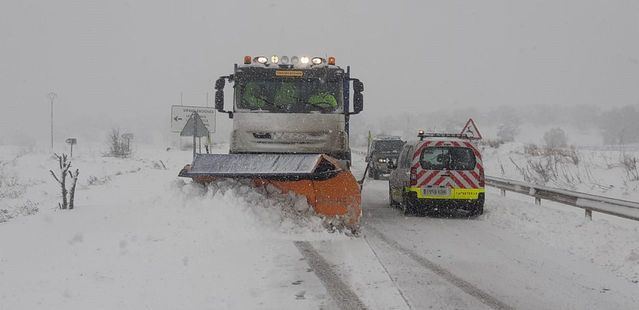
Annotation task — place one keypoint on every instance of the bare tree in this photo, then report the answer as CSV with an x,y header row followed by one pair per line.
x,y
64,166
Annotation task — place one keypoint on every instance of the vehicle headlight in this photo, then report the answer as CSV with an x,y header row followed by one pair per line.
x,y
382,160
261,59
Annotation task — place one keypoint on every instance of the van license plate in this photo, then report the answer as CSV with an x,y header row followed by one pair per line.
x,y
437,191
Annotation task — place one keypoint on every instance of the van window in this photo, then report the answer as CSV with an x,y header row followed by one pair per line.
x,y
449,158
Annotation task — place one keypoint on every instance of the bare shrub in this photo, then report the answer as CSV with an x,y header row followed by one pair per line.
x,y
119,144
10,187
561,154
551,165
93,180
533,150
629,164
491,143
26,208
67,195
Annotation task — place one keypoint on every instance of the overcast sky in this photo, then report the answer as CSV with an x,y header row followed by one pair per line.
x,y
124,63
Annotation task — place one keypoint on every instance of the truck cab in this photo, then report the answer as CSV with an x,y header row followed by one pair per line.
x,y
299,105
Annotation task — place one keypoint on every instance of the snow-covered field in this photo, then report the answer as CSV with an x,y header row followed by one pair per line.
x,y
598,171
143,238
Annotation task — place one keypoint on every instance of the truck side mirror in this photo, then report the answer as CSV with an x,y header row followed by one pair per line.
x,y
358,98
219,100
219,84
358,86
358,103
219,95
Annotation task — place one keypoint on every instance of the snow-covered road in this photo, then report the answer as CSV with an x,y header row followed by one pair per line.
x,y
471,263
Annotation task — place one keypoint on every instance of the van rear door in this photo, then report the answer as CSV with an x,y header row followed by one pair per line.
x,y
444,167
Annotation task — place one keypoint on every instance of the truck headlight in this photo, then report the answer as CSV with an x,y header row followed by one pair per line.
x,y
382,160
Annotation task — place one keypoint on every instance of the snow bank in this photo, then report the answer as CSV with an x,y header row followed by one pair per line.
x,y
254,212
142,238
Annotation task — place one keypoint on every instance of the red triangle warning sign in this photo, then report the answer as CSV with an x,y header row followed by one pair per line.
x,y
470,130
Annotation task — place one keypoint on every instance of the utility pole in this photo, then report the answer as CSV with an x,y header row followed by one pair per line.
x,y
52,97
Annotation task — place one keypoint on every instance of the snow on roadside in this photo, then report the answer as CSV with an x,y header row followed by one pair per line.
x,y
143,238
607,241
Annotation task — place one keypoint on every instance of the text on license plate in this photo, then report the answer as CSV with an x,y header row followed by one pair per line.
x,y
437,191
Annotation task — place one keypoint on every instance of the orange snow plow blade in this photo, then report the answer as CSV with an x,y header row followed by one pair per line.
x,y
331,190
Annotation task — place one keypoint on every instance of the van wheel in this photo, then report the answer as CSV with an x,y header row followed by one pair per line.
x,y
408,205
391,202
478,207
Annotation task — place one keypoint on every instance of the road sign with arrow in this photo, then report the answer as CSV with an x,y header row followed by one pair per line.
x,y
180,114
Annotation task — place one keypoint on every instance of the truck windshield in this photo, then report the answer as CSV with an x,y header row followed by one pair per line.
x,y
450,158
390,146
290,95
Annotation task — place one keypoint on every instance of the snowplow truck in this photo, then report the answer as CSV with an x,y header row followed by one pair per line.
x,y
290,130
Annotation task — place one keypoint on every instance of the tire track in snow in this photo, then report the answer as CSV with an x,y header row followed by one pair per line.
x,y
462,284
339,291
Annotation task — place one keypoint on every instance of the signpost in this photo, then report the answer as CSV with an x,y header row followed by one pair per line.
x,y
181,114
71,142
52,97
195,127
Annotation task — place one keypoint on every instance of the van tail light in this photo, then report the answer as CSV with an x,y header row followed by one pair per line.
x,y
413,176
482,180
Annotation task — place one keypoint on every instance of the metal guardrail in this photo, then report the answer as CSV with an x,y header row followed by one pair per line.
x,y
617,207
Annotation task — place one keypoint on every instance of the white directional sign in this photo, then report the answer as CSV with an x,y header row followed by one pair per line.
x,y
180,115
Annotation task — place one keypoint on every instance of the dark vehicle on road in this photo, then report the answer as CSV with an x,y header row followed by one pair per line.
x,y
382,150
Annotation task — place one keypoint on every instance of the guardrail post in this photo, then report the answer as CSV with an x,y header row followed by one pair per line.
x,y
588,214
538,201
503,192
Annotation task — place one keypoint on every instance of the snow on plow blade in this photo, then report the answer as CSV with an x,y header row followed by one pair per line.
x,y
332,191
